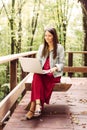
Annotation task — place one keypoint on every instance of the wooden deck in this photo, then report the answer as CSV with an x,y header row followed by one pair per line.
x,y
67,111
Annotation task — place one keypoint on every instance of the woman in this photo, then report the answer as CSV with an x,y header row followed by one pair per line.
x,y
51,56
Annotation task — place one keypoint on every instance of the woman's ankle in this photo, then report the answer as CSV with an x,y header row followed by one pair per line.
x,y
32,106
38,102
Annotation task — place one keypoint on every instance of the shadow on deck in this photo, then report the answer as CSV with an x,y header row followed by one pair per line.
x,y
67,111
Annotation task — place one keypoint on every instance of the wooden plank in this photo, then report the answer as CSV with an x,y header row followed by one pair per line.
x,y
63,86
10,99
75,69
58,120
79,52
4,59
28,82
66,111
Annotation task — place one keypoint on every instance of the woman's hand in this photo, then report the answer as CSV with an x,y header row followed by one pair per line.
x,y
53,69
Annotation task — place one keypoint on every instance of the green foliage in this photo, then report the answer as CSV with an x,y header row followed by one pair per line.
x,y
4,86
2,74
63,14
4,90
56,15
1,95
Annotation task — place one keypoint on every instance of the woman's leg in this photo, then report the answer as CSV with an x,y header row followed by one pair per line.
x,y
42,87
37,93
49,84
38,108
30,113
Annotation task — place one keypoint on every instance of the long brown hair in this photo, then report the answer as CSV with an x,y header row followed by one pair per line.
x,y
55,42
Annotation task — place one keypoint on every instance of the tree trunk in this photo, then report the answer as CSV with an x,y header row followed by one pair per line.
x,y
34,25
11,21
34,21
63,15
12,29
85,38
84,11
18,46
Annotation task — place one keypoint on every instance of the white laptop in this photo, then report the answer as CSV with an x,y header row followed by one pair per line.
x,y
32,65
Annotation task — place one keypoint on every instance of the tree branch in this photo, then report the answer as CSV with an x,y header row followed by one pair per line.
x,y
5,10
1,9
84,5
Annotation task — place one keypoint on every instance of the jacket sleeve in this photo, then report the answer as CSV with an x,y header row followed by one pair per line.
x,y
61,59
39,53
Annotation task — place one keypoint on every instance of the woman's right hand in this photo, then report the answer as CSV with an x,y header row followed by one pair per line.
x,y
53,69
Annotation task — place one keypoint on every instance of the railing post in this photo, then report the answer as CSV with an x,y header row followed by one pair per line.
x,y
13,74
70,62
13,78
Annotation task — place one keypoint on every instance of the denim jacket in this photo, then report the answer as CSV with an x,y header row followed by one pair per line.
x,y
58,61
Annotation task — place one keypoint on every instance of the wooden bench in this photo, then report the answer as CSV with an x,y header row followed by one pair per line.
x,y
63,86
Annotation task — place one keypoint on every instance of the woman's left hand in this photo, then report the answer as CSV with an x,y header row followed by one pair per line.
x,y
53,69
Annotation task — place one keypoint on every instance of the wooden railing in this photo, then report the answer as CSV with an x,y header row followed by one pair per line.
x,y
13,59
7,104
70,68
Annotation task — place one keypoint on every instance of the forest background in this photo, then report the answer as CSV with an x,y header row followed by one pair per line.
x,y
22,23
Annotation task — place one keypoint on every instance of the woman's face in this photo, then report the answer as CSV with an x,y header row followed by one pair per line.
x,y
48,37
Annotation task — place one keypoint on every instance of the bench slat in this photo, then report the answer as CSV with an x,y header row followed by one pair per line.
x,y
63,86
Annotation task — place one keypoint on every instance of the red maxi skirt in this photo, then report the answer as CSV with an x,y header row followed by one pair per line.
x,y
42,85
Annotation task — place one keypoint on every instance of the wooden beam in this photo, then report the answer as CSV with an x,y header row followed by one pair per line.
x,y
4,59
75,69
63,86
11,98
13,74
